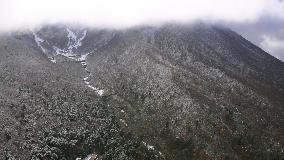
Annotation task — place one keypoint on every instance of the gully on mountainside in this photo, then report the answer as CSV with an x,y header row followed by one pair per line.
x,y
74,42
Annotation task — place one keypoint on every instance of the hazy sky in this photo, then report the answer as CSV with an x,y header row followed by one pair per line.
x,y
260,21
267,32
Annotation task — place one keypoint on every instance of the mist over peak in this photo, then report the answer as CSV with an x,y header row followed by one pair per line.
x,y
17,14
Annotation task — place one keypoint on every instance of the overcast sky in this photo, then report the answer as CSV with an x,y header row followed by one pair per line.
x,y
260,21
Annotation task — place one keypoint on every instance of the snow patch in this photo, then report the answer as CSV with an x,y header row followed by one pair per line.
x,y
89,157
52,59
64,52
149,147
71,34
100,92
83,57
74,42
123,121
38,41
79,41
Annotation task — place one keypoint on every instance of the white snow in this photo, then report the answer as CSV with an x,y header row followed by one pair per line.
x,y
38,41
149,147
79,41
73,43
64,52
92,87
100,92
90,157
123,121
71,34
52,59
83,57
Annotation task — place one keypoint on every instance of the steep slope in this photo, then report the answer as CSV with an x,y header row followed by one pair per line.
x,y
47,111
169,92
196,91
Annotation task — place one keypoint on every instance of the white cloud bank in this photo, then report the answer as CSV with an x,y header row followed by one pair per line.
x,y
273,45
15,14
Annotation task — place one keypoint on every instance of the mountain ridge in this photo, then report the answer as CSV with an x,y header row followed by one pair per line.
x,y
173,92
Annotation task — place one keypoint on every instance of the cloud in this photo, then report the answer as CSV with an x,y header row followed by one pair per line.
x,y
264,32
260,21
272,42
273,45
15,14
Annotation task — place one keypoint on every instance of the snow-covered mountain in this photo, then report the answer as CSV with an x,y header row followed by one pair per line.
x,y
169,92
71,50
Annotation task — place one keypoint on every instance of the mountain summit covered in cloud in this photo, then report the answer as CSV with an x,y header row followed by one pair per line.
x,y
141,79
246,17
169,92
16,14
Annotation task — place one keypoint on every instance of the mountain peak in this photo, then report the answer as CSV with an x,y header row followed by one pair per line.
x,y
167,92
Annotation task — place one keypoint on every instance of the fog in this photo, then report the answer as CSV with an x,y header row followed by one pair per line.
x,y
27,14
15,14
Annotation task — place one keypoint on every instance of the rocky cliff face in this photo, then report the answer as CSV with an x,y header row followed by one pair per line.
x,y
169,92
